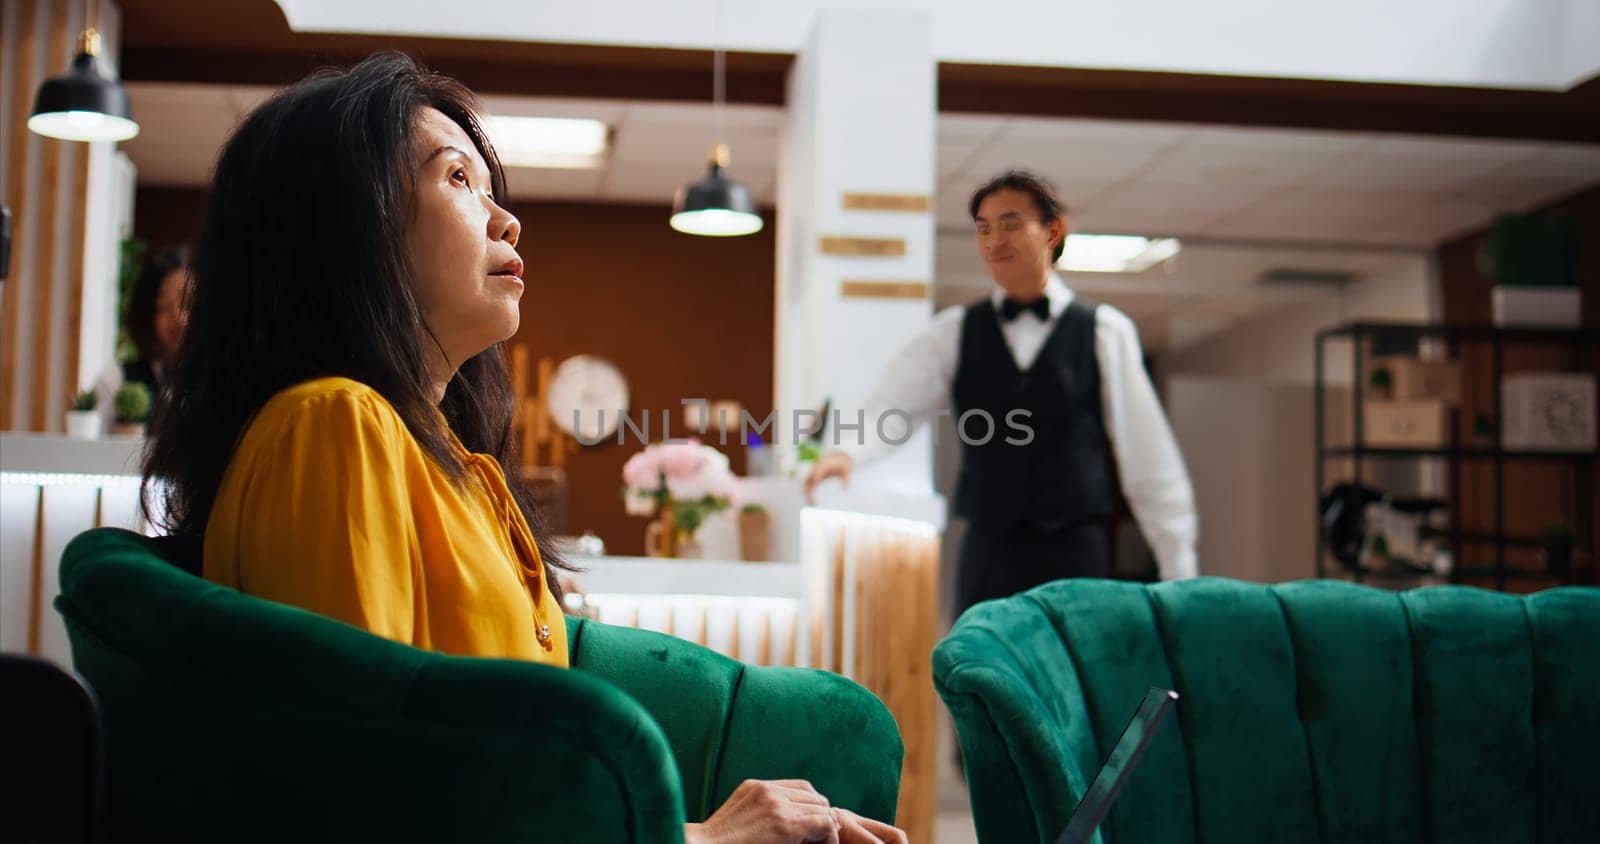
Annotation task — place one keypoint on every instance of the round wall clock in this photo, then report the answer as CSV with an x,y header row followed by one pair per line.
x,y
588,397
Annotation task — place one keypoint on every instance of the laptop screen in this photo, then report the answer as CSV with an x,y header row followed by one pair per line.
x,y
1118,766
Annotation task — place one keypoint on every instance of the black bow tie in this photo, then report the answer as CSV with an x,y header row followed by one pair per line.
x,y
1010,308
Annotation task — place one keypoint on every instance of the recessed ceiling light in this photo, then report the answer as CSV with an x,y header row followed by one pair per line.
x,y
551,142
1115,253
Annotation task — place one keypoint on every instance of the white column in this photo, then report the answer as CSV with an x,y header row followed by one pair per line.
x,y
861,101
108,221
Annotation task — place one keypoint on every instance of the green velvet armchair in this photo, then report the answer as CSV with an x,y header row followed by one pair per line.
x,y
229,718
1311,711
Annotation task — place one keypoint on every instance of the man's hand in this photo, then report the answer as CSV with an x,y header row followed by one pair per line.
x,y
786,812
834,464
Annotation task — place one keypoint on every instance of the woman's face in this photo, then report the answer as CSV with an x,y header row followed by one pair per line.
x,y
461,243
172,313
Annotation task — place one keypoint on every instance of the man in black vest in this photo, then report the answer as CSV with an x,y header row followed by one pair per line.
x,y
1042,383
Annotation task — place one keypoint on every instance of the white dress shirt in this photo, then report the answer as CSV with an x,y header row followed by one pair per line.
x,y
919,381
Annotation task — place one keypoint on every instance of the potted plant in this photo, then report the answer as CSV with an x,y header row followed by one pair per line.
x,y
83,421
1382,382
808,449
680,483
755,533
1558,539
805,454
1483,431
132,404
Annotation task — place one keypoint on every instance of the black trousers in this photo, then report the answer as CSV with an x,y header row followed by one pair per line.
x,y
1000,564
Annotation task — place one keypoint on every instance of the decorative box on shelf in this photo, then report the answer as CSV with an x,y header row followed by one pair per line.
x,y
1548,411
1543,307
1406,423
1416,378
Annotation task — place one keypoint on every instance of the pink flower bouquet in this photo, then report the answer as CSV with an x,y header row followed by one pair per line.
x,y
693,478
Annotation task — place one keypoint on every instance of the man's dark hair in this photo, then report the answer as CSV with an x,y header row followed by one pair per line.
x,y
1037,187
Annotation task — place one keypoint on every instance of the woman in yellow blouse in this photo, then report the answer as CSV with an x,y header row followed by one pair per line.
x,y
340,408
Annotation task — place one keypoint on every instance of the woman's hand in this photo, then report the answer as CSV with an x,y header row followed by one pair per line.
x,y
786,812
854,828
761,811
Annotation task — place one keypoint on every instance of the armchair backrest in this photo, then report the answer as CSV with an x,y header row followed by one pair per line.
x,y
1315,710
727,721
230,717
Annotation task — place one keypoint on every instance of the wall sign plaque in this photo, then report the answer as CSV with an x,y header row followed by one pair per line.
x,y
909,203
868,247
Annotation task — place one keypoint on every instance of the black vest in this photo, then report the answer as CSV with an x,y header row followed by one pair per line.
x,y
1058,479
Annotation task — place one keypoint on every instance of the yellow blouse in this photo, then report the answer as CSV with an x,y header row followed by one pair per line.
x,y
331,505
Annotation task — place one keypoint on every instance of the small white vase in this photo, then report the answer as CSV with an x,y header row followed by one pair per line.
x,y
83,424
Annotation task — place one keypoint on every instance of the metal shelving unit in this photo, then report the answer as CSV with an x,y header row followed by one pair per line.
x,y
1585,347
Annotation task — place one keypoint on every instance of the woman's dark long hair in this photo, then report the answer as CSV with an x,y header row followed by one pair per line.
x,y
301,272
141,316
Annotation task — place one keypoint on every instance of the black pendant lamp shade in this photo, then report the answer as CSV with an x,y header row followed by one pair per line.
x,y
715,206
82,104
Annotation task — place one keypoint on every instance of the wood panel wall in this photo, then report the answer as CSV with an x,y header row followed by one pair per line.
x,y
680,316
45,184
1537,494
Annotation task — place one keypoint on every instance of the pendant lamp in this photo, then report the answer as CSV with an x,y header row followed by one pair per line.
x,y
83,104
716,205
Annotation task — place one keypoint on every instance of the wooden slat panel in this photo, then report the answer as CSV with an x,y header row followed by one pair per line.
x,y
864,247
790,647
813,553
896,583
48,241
79,196
863,627
23,83
898,202
899,290
920,727
836,580
764,641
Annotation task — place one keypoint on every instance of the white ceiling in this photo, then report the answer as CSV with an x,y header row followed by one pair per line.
x,y
1246,200
1118,176
1206,288
655,147
1261,184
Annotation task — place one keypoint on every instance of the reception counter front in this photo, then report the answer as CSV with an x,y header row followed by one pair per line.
x,y
854,590
51,489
